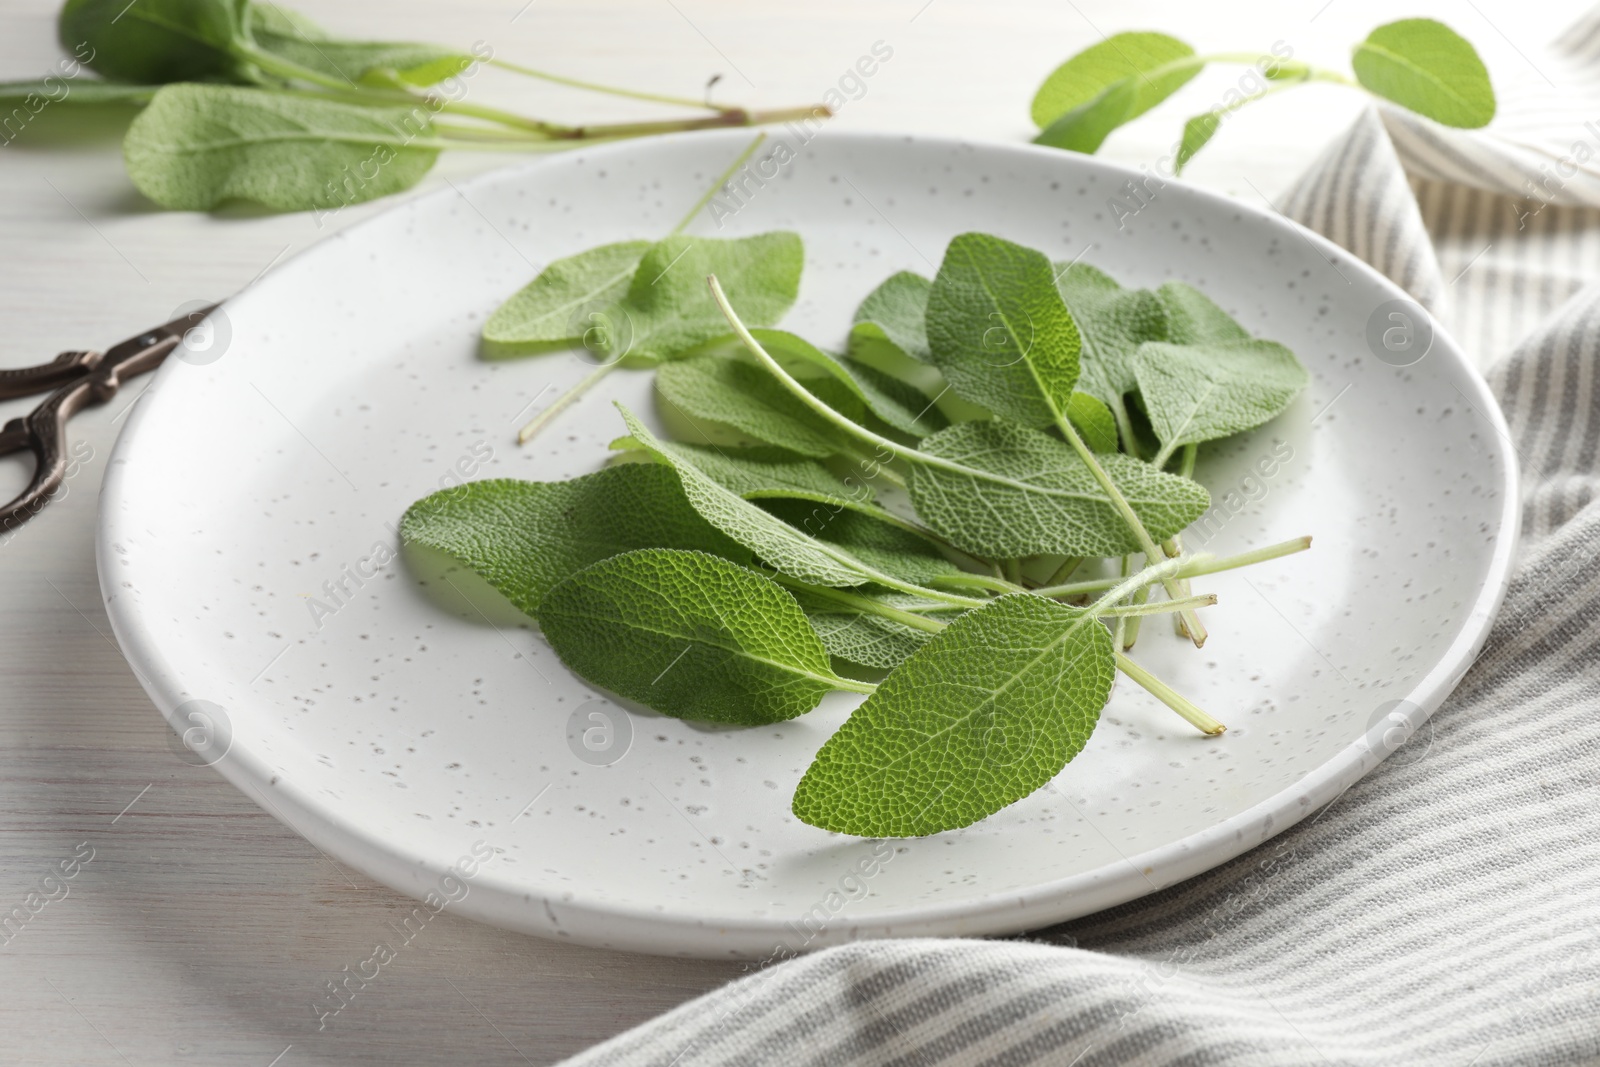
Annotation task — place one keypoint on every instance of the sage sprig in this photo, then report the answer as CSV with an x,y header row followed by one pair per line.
x,y
244,100
1420,64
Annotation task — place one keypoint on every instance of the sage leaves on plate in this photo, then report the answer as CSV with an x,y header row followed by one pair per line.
x,y
961,511
1420,64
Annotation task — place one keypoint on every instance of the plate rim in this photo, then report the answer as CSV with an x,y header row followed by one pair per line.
x,y
636,928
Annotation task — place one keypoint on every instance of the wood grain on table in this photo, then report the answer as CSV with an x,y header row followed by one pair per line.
x,y
202,930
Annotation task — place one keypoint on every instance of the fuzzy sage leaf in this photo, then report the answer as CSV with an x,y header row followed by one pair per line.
x,y
861,637
1093,421
525,537
1195,393
775,542
1112,323
1007,491
1194,318
983,714
377,63
1109,84
761,472
999,331
156,41
889,337
867,536
895,402
566,305
894,314
740,395
197,146
1197,133
668,310
690,635
1426,66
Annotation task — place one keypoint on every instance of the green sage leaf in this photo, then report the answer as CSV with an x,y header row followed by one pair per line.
x,y
894,402
1195,393
1086,127
1112,323
740,395
379,63
196,146
668,309
1426,66
983,714
524,537
898,404
774,541
1194,319
1197,133
567,305
890,339
1153,66
866,639
894,314
763,472
869,537
809,498
153,42
691,636
999,331
1021,492
1094,422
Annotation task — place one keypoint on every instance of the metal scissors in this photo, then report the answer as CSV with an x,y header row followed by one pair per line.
x,y
79,380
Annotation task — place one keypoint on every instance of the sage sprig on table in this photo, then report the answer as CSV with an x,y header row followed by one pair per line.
x,y
961,515
252,101
1420,64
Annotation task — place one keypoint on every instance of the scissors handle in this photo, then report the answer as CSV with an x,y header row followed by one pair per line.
x,y
91,379
43,432
26,381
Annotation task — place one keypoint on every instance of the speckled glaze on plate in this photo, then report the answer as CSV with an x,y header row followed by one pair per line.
x,y
402,722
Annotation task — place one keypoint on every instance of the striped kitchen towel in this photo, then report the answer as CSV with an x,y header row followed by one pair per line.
x,y
1446,908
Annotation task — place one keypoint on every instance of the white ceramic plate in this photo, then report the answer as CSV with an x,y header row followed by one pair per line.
x,y
401,730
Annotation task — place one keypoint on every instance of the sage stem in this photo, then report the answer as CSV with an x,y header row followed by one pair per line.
x,y
1169,696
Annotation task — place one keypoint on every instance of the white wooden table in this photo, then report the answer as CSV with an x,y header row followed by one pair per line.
x,y
202,930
